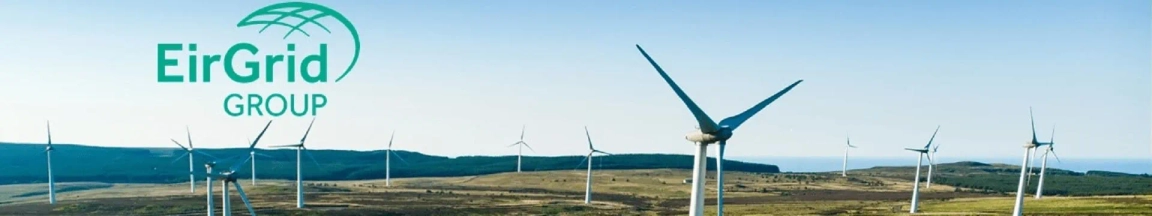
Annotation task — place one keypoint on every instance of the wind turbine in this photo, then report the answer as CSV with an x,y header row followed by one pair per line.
x,y
844,171
189,152
919,162
252,153
388,161
228,178
301,149
588,183
1044,162
48,154
931,165
709,132
1018,207
520,149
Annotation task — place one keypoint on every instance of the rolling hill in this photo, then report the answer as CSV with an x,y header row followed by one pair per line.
x,y
25,163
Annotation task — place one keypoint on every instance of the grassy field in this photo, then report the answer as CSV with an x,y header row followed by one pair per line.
x,y
616,192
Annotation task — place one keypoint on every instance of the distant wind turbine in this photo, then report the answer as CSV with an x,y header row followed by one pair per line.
x,y
931,165
189,152
588,183
299,178
520,149
228,177
388,161
208,166
921,152
709,132
844,171
1018,207
48,154
1044,162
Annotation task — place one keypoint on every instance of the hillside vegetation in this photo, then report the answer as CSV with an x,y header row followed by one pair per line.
x,y
1003,178
25,163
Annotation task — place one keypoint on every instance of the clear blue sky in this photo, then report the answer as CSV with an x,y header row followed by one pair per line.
x,y
461,77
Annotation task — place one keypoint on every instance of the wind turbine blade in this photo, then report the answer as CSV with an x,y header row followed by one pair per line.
x,y
257,140
178,144
1054,155
1032,118
238,165
289,145
602,152
244,197
586,134
930,161
529,147
705,122
189,133
848,139
309,153
398,156
736,120
390,139
912,149
178,158
933,137
1052,140
583,160
49,125
522,127
205,154
263,155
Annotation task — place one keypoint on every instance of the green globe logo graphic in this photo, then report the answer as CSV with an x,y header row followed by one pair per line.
x,y
295,10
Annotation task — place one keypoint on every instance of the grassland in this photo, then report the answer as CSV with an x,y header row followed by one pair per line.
x,y
617,192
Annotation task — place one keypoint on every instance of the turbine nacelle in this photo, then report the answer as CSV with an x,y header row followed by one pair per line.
x,y
701,137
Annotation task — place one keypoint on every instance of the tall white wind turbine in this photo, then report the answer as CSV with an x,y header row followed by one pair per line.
x,y
301,149
844,170
48,154
388,161
921,152
228,176
708,132
1044,162
588,183
1018,206
189,152
208,166
931,165
252,153
520,149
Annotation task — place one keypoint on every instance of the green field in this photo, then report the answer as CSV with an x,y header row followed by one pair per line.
x,y
616,192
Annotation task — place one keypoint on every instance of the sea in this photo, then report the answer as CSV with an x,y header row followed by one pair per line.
x,y
826,164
